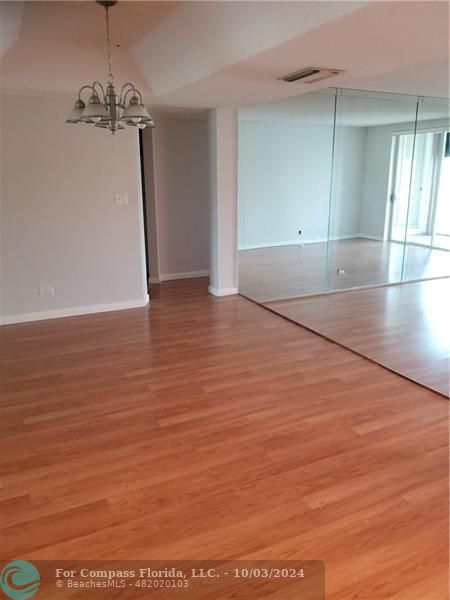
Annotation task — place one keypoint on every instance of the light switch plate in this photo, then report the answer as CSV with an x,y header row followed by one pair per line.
x,y
46,290
120,198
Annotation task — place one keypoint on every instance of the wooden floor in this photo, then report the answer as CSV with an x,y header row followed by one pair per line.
x,y
210,428
290,271
404,327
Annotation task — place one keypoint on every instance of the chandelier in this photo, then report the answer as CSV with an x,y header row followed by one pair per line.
x,y
105,108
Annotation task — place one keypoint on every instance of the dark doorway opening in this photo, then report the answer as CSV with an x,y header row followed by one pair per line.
x,y
144,209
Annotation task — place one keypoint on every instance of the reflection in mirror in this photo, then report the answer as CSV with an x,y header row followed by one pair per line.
x,y
342,189
285,152
361,253
427,250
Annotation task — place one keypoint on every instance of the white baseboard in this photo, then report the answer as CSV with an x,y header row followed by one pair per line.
x,y
367,236
222,291
72,312
185,275
299,242
272,245
154,280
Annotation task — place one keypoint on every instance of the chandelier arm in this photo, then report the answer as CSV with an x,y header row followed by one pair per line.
x,y
128,87
101,87
139,94
84,87
133,90
127,84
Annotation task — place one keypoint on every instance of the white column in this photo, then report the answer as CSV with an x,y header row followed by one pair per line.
x,y
223,191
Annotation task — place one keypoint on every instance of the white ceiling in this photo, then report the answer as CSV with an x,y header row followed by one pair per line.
x,y
82,22
206,54
214,36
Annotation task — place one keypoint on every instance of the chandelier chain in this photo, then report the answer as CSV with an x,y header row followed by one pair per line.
x,y
108,42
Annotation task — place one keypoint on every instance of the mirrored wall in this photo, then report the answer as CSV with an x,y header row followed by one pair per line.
x,y
342,189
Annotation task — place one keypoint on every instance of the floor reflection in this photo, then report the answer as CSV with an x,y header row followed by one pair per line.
x,y
290,271
405,328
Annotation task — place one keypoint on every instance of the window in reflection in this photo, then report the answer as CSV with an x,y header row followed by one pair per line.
x,y
420,207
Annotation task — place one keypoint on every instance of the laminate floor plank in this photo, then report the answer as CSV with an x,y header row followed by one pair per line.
x,y
205,427
405,328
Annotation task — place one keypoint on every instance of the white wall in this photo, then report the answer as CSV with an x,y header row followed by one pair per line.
x,y
284,182
60,225
347,190
376,180
181,179
223,143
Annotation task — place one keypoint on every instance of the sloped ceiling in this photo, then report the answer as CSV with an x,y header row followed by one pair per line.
x,y
83,22
213,36
206,54
10,22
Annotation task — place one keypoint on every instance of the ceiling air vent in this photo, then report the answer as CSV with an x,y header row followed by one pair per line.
x,y
311,75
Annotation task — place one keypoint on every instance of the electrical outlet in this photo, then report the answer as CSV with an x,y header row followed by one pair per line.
x,y
46,291
340,271
120,198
